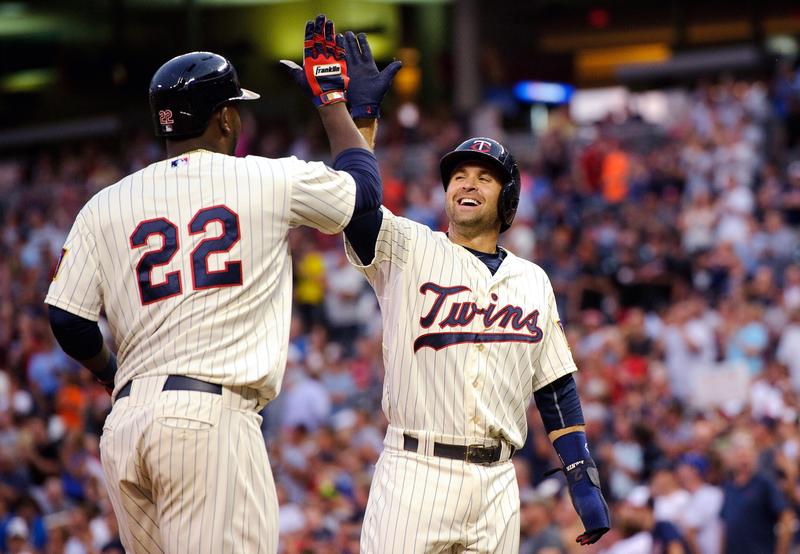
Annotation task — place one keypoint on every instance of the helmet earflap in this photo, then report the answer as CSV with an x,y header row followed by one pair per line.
x,y
508,201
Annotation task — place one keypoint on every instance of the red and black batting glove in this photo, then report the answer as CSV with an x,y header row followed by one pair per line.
x,y
324,72
367,85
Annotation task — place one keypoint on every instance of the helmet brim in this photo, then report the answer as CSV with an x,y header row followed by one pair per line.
x,y
247,95
450,162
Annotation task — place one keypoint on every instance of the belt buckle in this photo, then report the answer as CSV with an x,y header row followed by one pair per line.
x,y
478,454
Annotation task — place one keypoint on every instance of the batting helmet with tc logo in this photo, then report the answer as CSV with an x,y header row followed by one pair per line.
x,y
483,148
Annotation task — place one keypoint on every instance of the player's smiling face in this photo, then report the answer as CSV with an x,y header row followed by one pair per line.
x,y
472,195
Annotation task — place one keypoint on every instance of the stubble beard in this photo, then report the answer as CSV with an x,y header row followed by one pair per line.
x,y
469,225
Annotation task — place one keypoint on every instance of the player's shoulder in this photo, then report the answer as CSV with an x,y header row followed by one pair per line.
x,y
104,195
287,163
527,266
263,160
292,168
411,227
139,176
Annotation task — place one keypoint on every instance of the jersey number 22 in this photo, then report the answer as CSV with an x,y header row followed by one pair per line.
x,y
202,276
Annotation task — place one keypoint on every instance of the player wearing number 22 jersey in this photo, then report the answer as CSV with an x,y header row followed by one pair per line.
x,y
190,252
190,260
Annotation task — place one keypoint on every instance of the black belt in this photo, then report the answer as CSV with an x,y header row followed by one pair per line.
x,y
474,453
177,382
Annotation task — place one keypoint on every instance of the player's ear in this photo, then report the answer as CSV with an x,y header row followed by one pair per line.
x,y
226,120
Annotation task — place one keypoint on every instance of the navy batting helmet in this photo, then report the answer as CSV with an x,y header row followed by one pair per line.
x,y
482,148
186,90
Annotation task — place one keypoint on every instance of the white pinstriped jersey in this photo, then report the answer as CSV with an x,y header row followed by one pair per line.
x,y
189,258
463,349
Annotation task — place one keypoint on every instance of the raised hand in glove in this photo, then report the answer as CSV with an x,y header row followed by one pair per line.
x,y
324,73
367,85
584,486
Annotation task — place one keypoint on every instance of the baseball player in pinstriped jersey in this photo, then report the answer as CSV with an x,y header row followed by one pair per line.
x,y
189,259
471,333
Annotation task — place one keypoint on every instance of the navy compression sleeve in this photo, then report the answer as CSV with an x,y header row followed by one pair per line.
x,y
80,338
362,233
363,166
559,404
560,407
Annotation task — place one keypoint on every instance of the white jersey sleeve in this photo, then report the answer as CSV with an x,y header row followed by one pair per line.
x,y
321,197
391,250
555,357
76,279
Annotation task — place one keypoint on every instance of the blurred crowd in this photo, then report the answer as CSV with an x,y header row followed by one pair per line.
x,y
674,253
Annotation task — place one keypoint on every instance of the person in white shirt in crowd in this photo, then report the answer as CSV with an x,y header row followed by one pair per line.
x,y
788,352
669,499
629,521
688,342
697,223
775,240
17,537
699,519
734,208
307,402
768,393
347,308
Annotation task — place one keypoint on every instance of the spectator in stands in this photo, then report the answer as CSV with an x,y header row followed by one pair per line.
x,y
51,498
309,287
650,288
47,365
642,531
767,394
788,351
755,513
790,199
746,337
27,509
734,209
669,498
307,402
344,301
615,173
539,534
697,222
775,242
688,342
674,430
17,537
626,460
338,381
699,519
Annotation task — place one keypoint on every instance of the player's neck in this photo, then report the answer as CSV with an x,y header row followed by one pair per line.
x,y
211,144
485,241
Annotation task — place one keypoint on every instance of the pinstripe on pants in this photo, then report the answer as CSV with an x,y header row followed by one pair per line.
x,y
188,472
421,504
